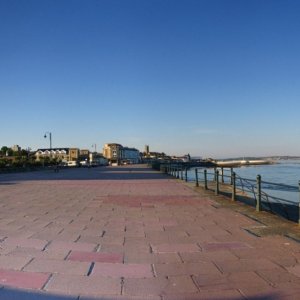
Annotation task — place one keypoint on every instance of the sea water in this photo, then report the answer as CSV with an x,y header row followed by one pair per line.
x,y
285,172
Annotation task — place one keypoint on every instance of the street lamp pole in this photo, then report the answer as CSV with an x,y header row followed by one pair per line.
x,y
50,138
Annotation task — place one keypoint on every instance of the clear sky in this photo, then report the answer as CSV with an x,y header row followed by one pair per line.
x,y
214,78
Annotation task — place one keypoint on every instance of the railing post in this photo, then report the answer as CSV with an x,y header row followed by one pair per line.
x,y
186,179
217,182
196,176
222,170
215,174
231,178
181,173
205,179
299,203
233,186
258,198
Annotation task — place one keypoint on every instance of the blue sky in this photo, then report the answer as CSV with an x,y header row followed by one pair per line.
x,y
215,78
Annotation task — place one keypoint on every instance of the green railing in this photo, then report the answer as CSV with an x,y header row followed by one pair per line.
x,y
261,194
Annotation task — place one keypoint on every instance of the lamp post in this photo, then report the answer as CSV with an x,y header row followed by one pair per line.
x,y
50,138
95,147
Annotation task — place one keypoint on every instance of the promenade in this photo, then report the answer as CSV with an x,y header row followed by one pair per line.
x,y
133,233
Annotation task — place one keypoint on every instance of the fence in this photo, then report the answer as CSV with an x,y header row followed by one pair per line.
x,y
256,192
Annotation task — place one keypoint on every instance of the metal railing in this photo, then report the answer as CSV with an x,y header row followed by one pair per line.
x,y
263,195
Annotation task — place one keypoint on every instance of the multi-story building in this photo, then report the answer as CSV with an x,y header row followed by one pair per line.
x,y
113,152
130,155
116,153
62,154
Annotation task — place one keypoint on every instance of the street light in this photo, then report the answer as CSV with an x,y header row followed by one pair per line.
x,y
50,138
95,146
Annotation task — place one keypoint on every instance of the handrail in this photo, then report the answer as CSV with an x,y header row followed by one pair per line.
x,y
251,191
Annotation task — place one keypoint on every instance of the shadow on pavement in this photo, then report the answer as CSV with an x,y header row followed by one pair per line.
x,y
16,294
134,172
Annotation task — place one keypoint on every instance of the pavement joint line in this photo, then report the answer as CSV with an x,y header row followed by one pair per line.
x,y
195,283
22,269
47,281
252,233
78,238
48,223
61,231
153,270
97,248
68,254
90,269
201,249
264,279
218,268
180,257
122,286
44,249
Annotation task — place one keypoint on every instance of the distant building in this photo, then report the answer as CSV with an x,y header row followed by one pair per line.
x,y
97,159
130,155
16,148
62,154
113,152
116,153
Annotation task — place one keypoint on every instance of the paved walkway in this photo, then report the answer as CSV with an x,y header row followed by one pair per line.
x,y
132,233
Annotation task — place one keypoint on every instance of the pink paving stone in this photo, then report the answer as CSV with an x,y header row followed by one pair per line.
x,y
58,266
96,257
224,246
144,287
83,285
30,243
61,245
174,248
12,262
295,270
212,295
123,270
23,279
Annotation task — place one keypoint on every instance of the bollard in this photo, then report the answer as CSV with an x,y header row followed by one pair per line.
x,y
205,179
186,179
258,198
233,186
217,182
196,176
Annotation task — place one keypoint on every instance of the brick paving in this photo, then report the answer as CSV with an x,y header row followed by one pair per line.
x,y
133,233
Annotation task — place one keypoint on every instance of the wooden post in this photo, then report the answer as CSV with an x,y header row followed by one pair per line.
x,y
196,176
231,173
186,169
258,198
233,186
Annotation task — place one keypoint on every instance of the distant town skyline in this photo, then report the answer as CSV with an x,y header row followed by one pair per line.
x,y
209,78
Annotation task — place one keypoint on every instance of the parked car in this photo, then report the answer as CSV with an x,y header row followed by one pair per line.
x,y
72,163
